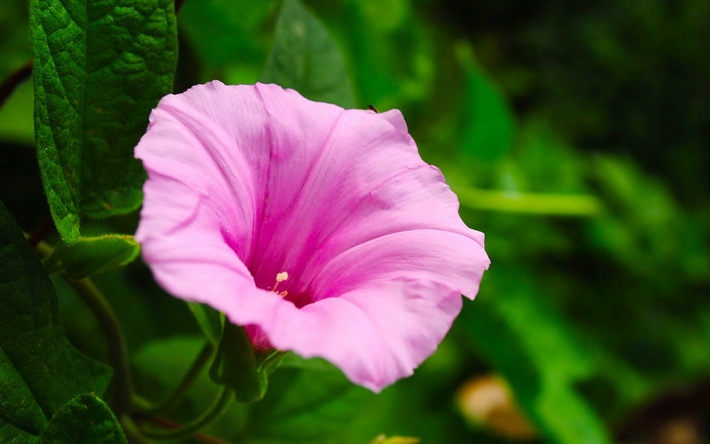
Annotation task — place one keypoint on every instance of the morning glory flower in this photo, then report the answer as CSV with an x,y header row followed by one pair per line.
x,y
319,229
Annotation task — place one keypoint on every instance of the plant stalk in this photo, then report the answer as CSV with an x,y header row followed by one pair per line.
x,y
216,410
117,350
20,75
187,382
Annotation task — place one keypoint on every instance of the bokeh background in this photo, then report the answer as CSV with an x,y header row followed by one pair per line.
x,y
577,136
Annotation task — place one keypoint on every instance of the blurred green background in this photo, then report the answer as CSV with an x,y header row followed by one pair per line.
x,y
577,136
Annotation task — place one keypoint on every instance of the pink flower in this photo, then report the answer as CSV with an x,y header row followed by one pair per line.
x,y
319,229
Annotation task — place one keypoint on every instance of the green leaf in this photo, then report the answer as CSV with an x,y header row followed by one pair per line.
x,y
99,68
20,415
235,365
92,255
488,128
526,341
209,320
487,125
85,419
306,58
391,51
39,370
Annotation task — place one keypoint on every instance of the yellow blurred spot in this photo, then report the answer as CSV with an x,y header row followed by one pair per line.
x,y
679,431
382,439
488,402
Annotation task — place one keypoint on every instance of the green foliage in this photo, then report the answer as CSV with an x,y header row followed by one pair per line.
x,y
574,137
391,52
92,255
307,401
306,58
40,370
85,419
209,21
98,70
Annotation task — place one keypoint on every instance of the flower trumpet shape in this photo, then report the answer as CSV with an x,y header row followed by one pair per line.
x,y
319,229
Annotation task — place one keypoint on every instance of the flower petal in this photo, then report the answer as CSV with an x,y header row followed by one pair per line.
x,y
374,344
365,180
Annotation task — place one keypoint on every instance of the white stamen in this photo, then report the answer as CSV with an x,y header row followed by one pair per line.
x,y
280,277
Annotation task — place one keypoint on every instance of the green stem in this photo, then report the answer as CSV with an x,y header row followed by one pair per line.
x,y
220,405
118,353
187,382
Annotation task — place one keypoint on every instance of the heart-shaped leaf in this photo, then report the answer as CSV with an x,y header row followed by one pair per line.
x,y
39,370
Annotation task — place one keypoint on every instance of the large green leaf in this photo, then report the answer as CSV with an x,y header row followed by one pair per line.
x,y
530,345
306,58
39,370
99,68
85,419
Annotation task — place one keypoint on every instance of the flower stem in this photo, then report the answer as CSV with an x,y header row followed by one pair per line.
x,y
36,236
187,382
20,75
107,320
220,405
118,353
